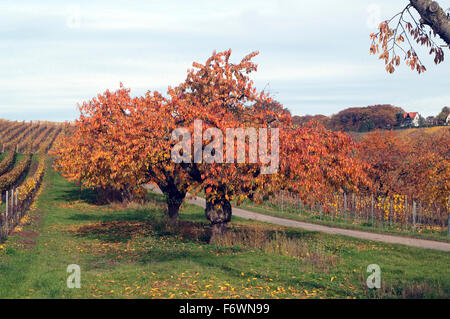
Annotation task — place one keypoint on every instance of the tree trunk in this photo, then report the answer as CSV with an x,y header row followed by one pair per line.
x,y
217,231
174,194
434,16
126,195
174,202
219,214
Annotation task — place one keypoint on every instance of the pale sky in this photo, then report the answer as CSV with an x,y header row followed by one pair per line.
x,y
314,55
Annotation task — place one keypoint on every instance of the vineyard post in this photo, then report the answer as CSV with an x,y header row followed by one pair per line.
x,y
12,207
406,212
286,201
360,208
363,209
371,208
7,206
336,207
289,203
301,206
448,225
367,209
345,205
320,211
17,206
282,201
414,216
419,217
448,218
390,212
1,224
353,206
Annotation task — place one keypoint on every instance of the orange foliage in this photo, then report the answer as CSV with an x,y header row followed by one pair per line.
x,y
417,166
316,162
120,143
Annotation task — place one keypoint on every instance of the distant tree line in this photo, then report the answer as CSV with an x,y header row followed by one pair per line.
x,y
365,119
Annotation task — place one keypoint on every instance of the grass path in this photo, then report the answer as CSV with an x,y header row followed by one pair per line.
x,y
131,252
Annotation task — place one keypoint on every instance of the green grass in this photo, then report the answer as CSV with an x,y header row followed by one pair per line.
x,y
348,223
19,157
132,252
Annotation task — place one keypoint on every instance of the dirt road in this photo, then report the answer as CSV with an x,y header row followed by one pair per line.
x,y
414,242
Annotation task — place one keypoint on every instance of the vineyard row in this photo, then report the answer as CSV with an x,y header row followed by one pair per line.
x,y
18,199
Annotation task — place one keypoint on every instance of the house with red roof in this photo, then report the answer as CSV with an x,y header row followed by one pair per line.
x,y
411,119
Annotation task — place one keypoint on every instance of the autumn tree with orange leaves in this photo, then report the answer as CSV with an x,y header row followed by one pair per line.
x,y
312,160
385,152
316,162
146,132
120,143
90,154
221,95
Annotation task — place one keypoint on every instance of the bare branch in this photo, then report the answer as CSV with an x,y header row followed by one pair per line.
x,y
406,29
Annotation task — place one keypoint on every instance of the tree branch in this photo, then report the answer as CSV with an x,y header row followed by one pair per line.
x,y
434,16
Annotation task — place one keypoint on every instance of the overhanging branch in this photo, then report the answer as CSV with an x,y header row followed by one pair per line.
x,y
434,16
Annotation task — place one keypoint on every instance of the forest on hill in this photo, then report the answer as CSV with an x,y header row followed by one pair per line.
x,y
365,119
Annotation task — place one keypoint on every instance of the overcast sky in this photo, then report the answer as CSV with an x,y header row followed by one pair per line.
x,y
314,55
